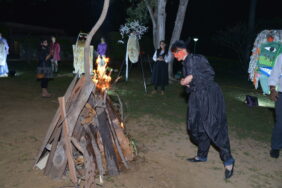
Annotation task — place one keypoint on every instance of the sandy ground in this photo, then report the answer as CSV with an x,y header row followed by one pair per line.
x,y
162,151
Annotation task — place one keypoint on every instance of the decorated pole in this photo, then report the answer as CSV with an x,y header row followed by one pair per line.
x,y
90,36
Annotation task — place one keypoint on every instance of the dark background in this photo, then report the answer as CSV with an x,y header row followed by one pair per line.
x,y
203,18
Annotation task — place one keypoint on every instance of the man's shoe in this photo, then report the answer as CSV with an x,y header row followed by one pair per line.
x,y
196,159
274,153
229,173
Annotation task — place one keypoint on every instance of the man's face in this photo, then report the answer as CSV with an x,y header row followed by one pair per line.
x,y
180,54
45,43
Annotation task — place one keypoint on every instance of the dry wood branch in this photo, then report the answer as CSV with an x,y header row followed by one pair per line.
x,y
67,142
97,153
55,120
89,165
116,140
90,36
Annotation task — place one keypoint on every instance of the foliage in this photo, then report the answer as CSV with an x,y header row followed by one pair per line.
x,y
238,39
138,12
133,26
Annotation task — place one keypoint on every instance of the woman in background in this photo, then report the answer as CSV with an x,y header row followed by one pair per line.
x,y
102,48
55,50
44,68
160,69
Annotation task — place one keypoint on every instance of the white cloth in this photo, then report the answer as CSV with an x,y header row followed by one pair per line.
x,y
275,78
166,58
133,48
4,51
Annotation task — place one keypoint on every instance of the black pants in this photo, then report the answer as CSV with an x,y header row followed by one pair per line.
x,y
44,83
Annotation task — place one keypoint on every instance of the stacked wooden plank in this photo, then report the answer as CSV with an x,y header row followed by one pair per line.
x,y
85,138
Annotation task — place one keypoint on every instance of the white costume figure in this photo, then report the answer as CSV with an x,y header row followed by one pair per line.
x,y
78,55
132,51
4,51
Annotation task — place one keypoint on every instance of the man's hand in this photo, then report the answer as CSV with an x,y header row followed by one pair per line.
x,y
273,93
186,81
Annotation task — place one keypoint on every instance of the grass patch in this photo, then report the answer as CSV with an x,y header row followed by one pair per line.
x,y
246,122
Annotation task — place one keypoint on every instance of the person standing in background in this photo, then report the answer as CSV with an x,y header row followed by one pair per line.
x,y
102,48
160,69
44,68
55,50
274,82
4,51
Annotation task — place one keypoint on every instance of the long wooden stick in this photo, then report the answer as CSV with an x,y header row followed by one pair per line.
x,y
96,151
90,36
67,142
116,140
55,120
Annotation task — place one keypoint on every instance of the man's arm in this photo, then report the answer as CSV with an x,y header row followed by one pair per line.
x,y
274,78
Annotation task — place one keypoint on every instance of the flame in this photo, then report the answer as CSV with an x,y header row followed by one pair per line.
x,y
102,75
122,125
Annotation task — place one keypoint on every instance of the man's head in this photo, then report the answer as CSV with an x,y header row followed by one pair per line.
x,y
44,42
179,50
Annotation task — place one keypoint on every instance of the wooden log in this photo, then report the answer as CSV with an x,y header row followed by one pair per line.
x,y
122,138
67,142
89,165
77,105
49,164
55,120
78,87
104,130
124,161
76,144
58,162
96,150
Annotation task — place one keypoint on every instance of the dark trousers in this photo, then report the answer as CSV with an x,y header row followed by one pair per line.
x,y
223,145
44,83
276,140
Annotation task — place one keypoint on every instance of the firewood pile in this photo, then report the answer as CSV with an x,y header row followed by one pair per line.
x,y
86,139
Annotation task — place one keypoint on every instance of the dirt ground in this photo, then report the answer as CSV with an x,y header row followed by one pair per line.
x,y
162,151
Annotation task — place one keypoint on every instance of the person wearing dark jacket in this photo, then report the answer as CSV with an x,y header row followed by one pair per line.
x,y
44,68
206,119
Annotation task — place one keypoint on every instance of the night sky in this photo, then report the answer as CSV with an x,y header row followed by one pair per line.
x,y
72,15
203,18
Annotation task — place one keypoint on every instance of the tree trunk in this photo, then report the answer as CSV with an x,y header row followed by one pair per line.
x,y
90,36
153,16
161,18
177,30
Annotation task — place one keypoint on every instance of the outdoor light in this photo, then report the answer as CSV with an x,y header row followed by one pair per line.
x,y
195,40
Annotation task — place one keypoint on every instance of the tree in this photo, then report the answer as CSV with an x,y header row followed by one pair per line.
x,y
157,13
236,38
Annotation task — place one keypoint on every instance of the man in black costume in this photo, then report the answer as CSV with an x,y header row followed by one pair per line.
x,y
206,119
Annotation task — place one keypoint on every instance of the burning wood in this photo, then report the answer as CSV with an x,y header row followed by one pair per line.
x,y
86,137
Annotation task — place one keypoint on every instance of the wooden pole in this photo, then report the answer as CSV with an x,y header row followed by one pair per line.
x,y
67,142
90,36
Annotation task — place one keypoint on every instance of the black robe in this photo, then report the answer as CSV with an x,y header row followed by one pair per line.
x,y
206,108
160,71
44,66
